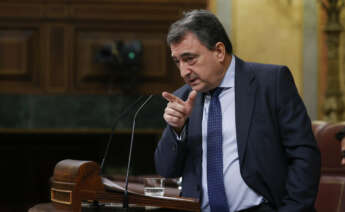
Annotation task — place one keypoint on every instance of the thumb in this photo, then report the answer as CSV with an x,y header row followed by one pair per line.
x,y
191,98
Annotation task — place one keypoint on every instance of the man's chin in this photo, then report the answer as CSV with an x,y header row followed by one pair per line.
x,y
198,88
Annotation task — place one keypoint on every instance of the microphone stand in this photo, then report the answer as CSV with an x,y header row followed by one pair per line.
x,y
125,195
128,109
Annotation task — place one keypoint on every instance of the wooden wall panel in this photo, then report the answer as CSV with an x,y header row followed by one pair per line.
x,y
19,52
155,47
50,44
89,71
140,11
57,58
18,11
14,55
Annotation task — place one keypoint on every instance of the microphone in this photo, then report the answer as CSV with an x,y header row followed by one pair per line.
x,y
125,112
125,195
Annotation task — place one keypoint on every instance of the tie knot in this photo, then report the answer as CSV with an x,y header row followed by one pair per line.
x,y
215,92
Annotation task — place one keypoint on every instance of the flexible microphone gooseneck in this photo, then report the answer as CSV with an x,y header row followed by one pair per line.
x,y
125,112
125,195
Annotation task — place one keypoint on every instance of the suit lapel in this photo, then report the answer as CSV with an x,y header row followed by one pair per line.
x,y
245,88
195,132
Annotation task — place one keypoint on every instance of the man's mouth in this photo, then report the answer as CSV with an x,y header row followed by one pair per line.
x,y
193,81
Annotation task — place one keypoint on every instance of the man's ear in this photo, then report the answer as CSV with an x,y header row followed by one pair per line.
x,y
220,51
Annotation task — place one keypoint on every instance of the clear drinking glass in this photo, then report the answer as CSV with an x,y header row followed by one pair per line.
x,y
154,186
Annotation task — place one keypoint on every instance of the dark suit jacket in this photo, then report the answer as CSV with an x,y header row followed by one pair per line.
x,y
278,154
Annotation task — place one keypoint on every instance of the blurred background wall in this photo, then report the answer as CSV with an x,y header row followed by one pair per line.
x,y
293,33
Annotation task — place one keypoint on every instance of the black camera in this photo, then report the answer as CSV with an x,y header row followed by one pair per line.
x,y
121,55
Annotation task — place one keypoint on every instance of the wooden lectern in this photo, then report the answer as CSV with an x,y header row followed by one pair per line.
x,y
74,182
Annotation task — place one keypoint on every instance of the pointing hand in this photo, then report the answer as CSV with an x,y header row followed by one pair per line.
x,y
177,111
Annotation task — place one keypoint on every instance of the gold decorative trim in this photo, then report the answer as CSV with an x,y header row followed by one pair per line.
x,y
68,192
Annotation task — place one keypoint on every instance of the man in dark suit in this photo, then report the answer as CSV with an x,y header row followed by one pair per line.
x,y
238,133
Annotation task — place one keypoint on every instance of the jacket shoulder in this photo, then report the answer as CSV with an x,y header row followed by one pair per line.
x,y
266,71
264,68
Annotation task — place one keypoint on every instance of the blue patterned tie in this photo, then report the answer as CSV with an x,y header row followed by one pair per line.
x,y
215,179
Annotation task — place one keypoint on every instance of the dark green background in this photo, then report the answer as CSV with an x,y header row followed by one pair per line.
x,y
77,112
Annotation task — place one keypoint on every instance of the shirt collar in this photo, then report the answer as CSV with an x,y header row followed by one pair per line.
x,y
229,78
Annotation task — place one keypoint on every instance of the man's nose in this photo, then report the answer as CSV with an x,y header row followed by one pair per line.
x,y
184,69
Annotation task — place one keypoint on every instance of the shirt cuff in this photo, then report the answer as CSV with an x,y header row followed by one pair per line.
x,y
180,137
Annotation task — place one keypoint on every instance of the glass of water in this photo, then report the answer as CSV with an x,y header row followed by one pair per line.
x,y
154,186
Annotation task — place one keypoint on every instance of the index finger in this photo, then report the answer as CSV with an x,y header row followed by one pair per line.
x,y
171,97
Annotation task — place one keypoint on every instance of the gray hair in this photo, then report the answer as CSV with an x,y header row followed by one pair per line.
x,y
204,25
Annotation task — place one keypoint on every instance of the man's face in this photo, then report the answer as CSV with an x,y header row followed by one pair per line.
x,y
199,67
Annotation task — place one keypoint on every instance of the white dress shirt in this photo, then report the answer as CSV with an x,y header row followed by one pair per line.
x,y
239,195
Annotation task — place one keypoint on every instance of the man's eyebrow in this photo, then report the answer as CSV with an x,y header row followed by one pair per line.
x,y
183,55
187,54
